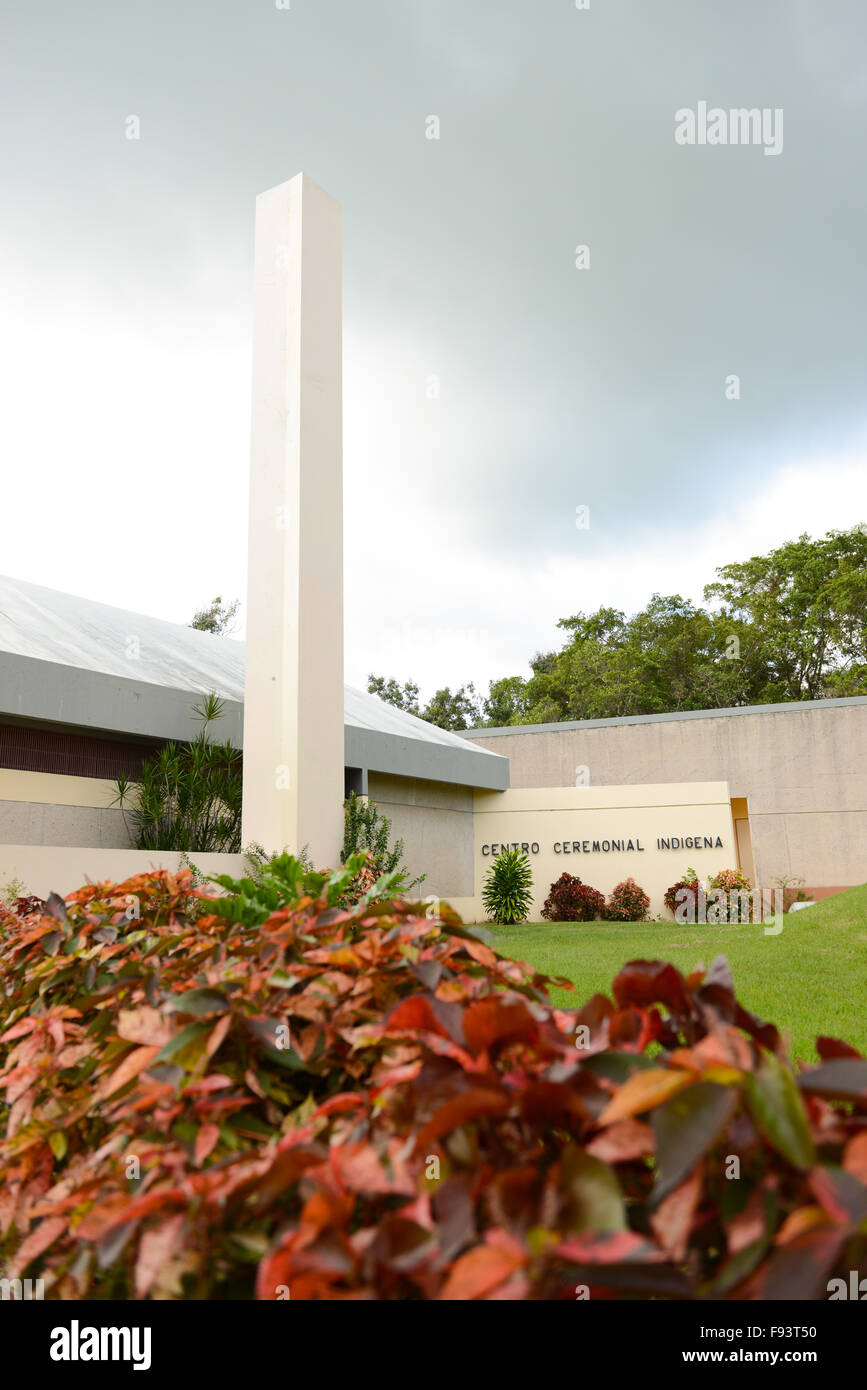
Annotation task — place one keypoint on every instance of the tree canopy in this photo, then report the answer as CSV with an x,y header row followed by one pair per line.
x,y
218,617
788,625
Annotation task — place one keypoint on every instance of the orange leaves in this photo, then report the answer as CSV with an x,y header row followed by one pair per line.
x,y
798,1222
373,1107
19,1081
217,1035
361,1169
22,1028
551,1102
622,1142
484,1269
855,1157
480,952
206,1141
122,1211
643,1091
672,1222
413,1015
144,1025
273,1274
157,1248
491,1021
339,1105
34,1245
473,1104
132,1065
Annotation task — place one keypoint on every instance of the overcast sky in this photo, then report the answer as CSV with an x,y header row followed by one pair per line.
x,y
126,300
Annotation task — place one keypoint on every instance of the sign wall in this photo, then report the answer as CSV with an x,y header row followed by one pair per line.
x,y
606,834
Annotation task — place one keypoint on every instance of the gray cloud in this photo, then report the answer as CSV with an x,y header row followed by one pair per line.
x,y
559,387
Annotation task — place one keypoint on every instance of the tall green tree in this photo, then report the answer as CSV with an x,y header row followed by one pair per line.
x,y
448,709
403,697
808,601
789,625
458,709
505,702
671,656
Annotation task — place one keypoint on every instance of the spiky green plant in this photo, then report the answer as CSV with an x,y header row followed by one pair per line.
x,y
188,796
508,888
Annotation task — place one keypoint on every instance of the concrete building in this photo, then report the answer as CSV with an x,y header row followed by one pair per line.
x,y
797,776
87,692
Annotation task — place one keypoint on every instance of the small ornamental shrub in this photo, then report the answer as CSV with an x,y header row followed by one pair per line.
x,y
674,896
738,905
283,1099
628,903
15,898
363,880
507,891
366,831
729,879
570,900
30,903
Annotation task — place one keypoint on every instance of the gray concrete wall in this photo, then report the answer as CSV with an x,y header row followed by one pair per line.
x,y
802,767
93,700
435,821
41,823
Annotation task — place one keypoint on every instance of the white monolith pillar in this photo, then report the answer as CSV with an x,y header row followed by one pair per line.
x,y
293,704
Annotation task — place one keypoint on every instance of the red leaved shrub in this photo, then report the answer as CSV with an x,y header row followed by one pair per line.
x,y
687,894
628,903
29,903
570,900
303,1101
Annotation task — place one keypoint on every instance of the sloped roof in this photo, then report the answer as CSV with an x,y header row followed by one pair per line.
x,y
47,625
53,626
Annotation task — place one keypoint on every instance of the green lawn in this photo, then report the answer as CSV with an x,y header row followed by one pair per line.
x,y
810,979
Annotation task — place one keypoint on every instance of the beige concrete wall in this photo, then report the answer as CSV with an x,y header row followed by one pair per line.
x,y
53,813
55,788
604,835
44,869
435,821
803,772
33,823
42,808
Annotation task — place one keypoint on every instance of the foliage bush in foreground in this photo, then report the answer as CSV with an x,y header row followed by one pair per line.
x,y
570,900
283,1097
628,903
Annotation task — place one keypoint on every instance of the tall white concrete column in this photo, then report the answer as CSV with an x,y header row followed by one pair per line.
x,y
293,704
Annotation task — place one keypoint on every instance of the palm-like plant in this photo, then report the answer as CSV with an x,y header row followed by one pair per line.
x,y
188,796
508,888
